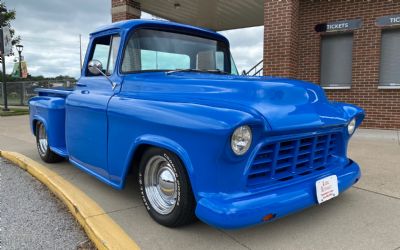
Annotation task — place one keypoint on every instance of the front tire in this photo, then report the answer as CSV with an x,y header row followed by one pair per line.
x,y
42,145
165,188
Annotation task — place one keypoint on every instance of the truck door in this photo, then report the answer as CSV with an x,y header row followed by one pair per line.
x,y
86,109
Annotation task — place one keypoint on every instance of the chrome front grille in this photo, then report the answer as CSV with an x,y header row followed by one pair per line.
x,y
288,159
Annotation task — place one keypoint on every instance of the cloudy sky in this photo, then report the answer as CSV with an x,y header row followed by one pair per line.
x,y
50,34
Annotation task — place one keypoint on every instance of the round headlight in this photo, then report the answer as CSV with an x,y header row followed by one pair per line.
x,y
241,140
352,126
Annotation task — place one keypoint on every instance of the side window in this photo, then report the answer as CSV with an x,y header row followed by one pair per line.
x,y
106,51
234,70
101,53
220,63
220,60
113,53
336,60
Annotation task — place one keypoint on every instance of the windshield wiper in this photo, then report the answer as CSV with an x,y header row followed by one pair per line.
x,y
218,71
213,71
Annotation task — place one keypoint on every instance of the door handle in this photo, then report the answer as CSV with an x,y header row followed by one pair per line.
x,y
81,85
85,92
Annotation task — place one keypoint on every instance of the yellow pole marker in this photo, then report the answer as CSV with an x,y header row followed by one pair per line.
x,y
100,228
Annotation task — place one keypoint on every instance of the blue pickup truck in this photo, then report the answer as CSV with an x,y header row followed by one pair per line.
x,y
164,101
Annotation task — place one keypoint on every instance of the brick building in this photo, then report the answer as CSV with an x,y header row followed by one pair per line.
x,y
350,47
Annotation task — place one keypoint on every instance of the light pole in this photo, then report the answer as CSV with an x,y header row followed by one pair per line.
x,y
20,48
3,62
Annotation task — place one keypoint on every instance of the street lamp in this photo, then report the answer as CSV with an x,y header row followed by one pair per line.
x,y
20,48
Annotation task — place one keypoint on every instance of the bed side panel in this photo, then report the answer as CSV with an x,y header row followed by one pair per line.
x,y
51,111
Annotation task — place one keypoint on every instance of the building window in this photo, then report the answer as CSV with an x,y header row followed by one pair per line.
x,y
336,60
389,74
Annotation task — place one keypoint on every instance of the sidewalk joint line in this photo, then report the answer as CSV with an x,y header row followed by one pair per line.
x,y
235,240
114,211
398,137
375,192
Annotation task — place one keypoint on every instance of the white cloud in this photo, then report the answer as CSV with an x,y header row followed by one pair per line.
x,y
50,34
246,46
50,31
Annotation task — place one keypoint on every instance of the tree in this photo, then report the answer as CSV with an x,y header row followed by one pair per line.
x,y
6,16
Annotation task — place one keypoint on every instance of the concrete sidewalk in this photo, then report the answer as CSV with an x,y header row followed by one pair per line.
x,y
365,217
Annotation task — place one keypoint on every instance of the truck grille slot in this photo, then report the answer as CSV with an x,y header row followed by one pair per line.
x,y
285,160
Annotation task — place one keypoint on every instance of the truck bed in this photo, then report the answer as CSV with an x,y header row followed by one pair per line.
x,y
56,92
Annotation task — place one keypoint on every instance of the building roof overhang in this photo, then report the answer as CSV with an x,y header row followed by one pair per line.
x,y
212,14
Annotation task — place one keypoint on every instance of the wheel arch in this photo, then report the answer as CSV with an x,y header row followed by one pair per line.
x,y
35,120
146,141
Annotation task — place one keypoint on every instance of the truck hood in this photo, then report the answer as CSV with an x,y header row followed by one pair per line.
x,y
285,104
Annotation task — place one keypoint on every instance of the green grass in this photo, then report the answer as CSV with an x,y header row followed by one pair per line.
x,y
14,111
11,101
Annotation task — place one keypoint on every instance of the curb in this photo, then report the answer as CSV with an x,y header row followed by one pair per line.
x,y
99,227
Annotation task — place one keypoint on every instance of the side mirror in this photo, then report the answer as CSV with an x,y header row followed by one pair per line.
x,y
95,67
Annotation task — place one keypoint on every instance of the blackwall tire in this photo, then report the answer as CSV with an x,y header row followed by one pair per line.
x,y
165,188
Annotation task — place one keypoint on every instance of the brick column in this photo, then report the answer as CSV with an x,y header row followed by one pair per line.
x,y
280,37
124,10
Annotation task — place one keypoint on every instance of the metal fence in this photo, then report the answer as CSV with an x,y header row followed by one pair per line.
x,y
18,93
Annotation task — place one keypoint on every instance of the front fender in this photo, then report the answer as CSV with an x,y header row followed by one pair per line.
x,y
161,142
34,119
198,134
350,111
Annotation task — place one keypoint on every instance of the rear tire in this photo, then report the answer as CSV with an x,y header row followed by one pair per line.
x,y
165,188
42,145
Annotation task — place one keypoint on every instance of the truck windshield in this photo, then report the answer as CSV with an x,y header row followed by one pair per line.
x,y
156,50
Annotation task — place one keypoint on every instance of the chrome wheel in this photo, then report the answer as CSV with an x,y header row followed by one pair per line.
x,y
42,139
160,184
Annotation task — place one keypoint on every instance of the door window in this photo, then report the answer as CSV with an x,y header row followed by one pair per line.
x,y
106,51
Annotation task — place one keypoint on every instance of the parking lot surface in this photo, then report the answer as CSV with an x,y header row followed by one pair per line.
x,y
365,217
31,217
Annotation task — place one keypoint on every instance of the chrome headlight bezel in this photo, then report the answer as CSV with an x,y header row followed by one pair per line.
x,y
241,140
351,126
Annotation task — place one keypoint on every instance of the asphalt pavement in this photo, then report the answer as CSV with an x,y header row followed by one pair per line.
x,y
31,217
